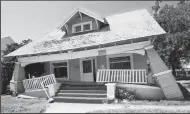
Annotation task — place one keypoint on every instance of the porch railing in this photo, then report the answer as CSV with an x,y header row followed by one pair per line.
x,y
122,76
35,83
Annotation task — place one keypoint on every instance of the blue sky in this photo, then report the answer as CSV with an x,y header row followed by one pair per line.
x,y
22,20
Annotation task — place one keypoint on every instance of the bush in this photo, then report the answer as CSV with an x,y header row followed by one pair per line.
x,y
123,94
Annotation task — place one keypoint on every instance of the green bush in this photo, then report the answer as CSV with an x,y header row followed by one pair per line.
x,y
123,94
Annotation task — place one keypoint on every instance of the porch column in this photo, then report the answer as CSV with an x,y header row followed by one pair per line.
x,y
163,76
17,77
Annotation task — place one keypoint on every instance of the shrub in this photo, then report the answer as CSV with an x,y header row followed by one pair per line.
x,y
123,94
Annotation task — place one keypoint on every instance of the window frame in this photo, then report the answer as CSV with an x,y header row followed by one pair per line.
x,y
60,67
82,27
120,55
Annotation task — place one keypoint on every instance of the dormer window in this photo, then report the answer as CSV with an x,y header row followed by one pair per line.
x,y
82,27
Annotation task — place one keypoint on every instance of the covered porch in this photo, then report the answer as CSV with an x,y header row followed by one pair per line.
x,y
102,65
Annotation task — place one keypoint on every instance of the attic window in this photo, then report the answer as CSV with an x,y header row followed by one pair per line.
x,y
81,27
78,28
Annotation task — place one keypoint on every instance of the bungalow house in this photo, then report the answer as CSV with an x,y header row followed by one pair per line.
x,y
89,48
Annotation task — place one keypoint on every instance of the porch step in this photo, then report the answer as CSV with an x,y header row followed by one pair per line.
x,y
83,91
83,88
104,95
79,100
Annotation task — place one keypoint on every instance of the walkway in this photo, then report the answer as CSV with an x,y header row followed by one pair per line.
x,y
79,107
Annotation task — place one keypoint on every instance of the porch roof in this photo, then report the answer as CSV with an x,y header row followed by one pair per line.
x,y
123,26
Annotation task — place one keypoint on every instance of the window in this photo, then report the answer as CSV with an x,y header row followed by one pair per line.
x,y
60,70
86,27
120,62
81,27
87,66
78,28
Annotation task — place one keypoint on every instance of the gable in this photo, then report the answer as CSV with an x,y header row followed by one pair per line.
x,y
81,16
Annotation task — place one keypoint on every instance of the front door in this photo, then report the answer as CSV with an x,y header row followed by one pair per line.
x,y
87,72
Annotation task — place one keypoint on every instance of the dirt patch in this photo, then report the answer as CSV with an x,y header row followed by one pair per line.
x,y
11,104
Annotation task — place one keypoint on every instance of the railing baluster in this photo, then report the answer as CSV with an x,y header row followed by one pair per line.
x,y
123,76
97,78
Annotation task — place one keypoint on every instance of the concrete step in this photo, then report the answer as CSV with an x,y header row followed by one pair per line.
x,y
82,88
82,95
90,100
83,91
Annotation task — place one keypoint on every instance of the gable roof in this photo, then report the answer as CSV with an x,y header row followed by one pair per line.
x,y
84,11
123,26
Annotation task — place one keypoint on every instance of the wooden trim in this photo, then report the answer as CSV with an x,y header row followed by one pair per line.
x,y
149,47
66,26
96,23
80,15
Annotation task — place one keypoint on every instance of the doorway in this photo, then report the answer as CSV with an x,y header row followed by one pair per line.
x,y
88,69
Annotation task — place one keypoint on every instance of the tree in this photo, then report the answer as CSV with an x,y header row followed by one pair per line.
x,y
7,64
175,45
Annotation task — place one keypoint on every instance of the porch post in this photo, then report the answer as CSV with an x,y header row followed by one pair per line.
x,y
16,84
163,76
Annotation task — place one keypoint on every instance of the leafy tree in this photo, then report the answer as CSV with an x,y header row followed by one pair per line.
x,y
7,64
175,45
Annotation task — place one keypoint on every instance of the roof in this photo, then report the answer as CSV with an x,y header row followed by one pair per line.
x,y
5,41
123,26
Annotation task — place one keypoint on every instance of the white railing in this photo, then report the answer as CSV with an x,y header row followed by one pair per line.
x,y
35,83
122,76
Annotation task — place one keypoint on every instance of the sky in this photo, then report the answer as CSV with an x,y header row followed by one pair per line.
x,y
22,20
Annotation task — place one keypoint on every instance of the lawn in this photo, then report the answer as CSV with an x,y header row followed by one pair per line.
x,y
143,109
163,106
11,104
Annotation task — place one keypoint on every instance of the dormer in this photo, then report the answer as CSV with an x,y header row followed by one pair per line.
x,y
81,21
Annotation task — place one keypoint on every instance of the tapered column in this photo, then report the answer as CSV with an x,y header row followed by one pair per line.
x,y
163,76
17,77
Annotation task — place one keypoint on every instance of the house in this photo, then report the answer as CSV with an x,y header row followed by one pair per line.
x,y
4,42
89,48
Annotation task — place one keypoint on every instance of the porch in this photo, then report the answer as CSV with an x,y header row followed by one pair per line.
x,y
122,68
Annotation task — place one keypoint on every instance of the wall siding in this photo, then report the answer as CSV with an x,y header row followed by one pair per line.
x,y
74,70
101,61
140,61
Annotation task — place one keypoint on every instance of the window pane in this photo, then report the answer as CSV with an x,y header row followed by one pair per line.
x,y
77,28
86,27
121,65
87,67
60,64
61,72
118,59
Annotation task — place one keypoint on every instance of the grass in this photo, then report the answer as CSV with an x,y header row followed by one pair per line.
x,y
159,103
143,106
142,110
11,104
